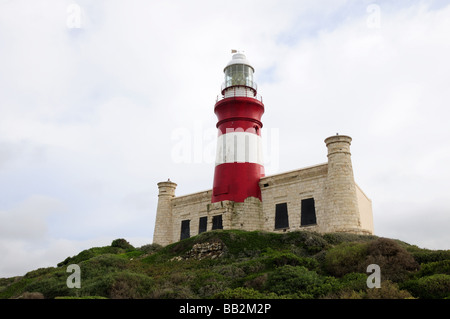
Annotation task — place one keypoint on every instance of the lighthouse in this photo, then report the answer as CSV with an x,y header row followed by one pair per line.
x,y
239,161
323,198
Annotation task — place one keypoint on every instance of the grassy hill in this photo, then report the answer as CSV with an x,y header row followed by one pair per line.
x,y
239,264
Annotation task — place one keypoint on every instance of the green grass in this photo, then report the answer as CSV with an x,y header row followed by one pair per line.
x,y
254,265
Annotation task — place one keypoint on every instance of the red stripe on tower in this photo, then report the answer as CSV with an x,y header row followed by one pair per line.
x,y
239,163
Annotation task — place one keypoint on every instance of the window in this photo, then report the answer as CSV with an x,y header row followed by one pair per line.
x,y
185,229
281,216
202,224
217,222
308,214
238,74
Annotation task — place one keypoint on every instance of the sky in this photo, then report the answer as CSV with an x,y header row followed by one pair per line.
x,y
101,100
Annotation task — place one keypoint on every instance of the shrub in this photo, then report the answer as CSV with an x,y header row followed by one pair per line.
x,y
166,290
50,287
423,256
90,253
394,261
102,265
437,267
388,290
350,286
345,258
281,258
430,287
232,271
242,293
150,248
121,243
12,287
39,272
126,285
292,279
118,285
354,281
253,266
338,238
327,286
257,281
311,241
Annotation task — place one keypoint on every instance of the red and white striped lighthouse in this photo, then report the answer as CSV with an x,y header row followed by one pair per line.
x,y
239,162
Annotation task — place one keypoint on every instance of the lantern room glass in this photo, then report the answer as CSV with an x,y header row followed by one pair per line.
x,y
238,74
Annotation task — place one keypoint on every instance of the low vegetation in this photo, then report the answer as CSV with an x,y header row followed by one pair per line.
x,y
295,265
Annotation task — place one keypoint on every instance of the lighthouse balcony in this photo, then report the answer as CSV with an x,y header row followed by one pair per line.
x,y
239,91
231,82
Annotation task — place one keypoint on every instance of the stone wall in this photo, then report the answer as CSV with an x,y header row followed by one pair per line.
x,y
291,188
339,204
190,207
365,211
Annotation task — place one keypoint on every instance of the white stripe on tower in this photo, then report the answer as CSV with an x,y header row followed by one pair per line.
x,y
239,147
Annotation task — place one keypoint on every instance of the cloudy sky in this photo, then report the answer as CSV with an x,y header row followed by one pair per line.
x,y
101,100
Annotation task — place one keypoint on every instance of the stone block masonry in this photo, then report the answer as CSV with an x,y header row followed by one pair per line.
x,y
322,198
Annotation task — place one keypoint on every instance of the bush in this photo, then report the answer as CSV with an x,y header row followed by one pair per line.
x,y
430,287
257,281
242,293
338,238
50,287
253,266
118,285
312,242
423,256
346,258
231,272
122,243
394,261
388,290
39,272
150,248
282,258
167,290
292,279
102,265
437,267
126,285
90,253
354,281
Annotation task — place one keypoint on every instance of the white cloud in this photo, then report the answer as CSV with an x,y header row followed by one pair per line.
x,y
28,220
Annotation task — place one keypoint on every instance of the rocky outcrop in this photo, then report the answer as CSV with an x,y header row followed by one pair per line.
x,y
203,250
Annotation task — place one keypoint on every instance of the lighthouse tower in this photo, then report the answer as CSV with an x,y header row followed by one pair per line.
x,y
239,162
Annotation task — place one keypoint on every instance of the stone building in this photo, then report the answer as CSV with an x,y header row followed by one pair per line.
x,y
321,198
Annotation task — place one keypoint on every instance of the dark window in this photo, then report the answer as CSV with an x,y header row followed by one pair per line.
x,y
281,216
185,229
203,222
217,222
308,212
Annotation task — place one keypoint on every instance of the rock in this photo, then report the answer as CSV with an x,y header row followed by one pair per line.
x,y
206,250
